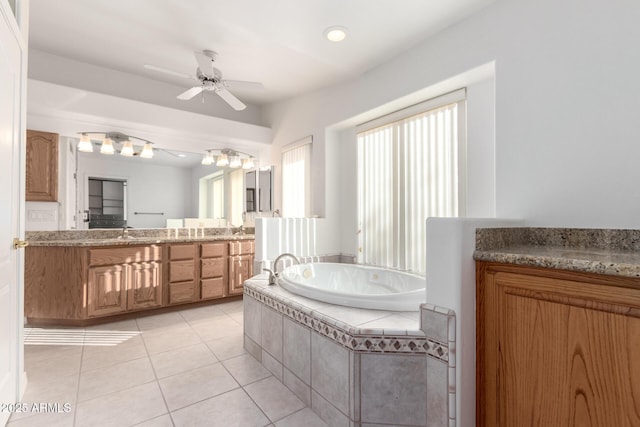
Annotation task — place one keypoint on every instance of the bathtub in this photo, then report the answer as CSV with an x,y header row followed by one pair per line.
x,y
355,286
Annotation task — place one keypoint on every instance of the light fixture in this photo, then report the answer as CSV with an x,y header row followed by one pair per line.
x,y
248,163
223,160
147,151
127,149
207,159
226,157
107,146
110,138
335,33
235,162
85,144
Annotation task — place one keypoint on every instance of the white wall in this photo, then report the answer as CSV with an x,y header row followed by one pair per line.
x,y
566,93
150,188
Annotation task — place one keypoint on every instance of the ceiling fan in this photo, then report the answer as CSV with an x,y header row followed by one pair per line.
x,y
210,79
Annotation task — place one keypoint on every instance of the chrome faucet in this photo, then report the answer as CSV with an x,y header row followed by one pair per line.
x,y
273,274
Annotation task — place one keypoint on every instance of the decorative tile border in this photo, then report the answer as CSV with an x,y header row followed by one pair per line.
x,y
345,336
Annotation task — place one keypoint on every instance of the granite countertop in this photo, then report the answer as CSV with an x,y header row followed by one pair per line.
x,y
599,251
136,237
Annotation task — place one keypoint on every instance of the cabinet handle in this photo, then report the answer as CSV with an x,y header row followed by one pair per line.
x,y
18,244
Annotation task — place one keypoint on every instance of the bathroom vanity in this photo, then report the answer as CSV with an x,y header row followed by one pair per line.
x,y
89,279
558,327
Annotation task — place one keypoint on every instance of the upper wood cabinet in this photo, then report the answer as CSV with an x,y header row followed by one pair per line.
x,y
42,166
556,348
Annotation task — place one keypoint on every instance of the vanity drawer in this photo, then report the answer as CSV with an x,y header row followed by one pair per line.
x,y
182,252
213,267
128,255
213,250
212,288
181,292
181,271
241,248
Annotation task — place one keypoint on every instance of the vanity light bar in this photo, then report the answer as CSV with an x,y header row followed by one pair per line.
x,y
230,158
108,140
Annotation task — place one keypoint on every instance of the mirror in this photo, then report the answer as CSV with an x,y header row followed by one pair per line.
x,y
258,190
168,186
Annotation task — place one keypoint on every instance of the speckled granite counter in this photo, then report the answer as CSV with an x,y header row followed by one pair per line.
x,y
113,237
599,251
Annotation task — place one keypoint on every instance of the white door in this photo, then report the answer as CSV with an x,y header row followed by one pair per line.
x,y
11,134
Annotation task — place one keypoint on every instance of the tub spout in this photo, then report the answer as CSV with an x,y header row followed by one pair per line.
x,y
272,276
281,256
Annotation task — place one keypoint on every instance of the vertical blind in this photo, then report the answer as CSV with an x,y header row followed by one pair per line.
x,y
408,170
296,179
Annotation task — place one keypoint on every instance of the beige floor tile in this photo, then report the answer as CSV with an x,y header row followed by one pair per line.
x,y
227,347
194,386
232,409
57,391
274,398
182,359
44,420
245,369
36,353
114,378
102,356
170,338
161,421
121,325
53,368
232,307
238,317
199,313
123,408
159,321
217,327
305,417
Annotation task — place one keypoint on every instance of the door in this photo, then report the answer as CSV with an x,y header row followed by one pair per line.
x,y
12,132
145,285
106,290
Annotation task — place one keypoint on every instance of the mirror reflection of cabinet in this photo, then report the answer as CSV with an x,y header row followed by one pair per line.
x,y
258,190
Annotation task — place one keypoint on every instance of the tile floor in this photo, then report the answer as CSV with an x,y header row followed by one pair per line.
x,y
184,368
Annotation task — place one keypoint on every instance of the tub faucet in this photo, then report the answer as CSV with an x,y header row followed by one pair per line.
x,y
284,255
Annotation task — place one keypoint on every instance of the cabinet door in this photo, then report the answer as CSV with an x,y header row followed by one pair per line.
x,y
240,269
42,167
106,290
557,352
145,285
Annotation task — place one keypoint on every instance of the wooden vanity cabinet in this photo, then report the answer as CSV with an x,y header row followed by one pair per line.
x,y
41,167
556,348
213,270
122,279
241,254
182,273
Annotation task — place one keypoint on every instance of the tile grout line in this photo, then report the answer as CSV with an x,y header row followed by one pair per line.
x,y
77,402
155,375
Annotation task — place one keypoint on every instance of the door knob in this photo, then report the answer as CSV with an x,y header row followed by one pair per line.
x,y
17,243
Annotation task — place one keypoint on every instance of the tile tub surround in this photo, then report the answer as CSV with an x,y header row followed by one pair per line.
x,y
352,366
600,251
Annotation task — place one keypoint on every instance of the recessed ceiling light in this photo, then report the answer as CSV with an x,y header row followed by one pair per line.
x,y
182,155
335,33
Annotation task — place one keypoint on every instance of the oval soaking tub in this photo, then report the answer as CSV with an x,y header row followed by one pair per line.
x,y
355,285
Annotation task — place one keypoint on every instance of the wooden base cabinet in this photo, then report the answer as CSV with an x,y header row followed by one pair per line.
x,y
556,348
241,256
106,293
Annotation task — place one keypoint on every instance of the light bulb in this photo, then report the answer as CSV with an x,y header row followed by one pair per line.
x,y
207,159
223,160
248,163
147,151
235,162
85,144
107,147
127,149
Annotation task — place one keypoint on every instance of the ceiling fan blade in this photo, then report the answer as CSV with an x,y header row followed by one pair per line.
x,y
204,63
230,99
190,93
242,85
164,70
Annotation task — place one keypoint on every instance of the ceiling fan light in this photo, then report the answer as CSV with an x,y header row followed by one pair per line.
x,y
223,160
248,163
127,149
235,162
107,147
85,144
147,151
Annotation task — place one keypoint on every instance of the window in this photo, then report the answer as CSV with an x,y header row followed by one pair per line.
x,y
216,197
296,179
408,170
